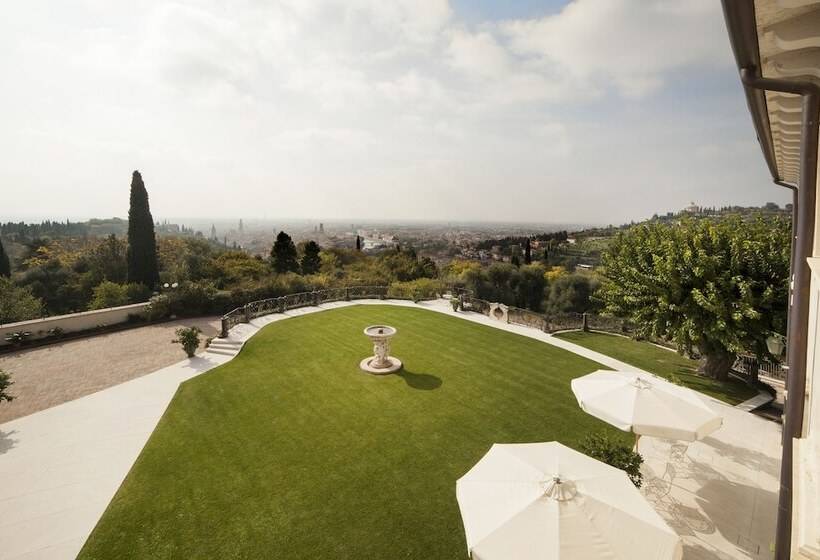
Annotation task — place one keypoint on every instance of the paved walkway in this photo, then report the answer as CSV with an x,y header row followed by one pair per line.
x,y
51,375
62,466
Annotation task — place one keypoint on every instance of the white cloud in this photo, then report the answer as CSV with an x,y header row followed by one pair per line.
x,y
301,101
632,43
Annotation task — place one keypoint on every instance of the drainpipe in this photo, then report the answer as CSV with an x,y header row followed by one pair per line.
x,y
795,204
799,308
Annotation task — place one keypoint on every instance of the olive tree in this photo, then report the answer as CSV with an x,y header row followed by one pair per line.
x,y
720,287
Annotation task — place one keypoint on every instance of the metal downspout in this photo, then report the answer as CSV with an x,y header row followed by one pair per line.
x,y
795,205
799,309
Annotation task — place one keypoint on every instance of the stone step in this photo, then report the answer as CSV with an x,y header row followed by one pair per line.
x,y
223,352
225,344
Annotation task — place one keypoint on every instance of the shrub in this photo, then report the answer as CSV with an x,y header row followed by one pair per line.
x,y
137,293
109,294
18,303
159,307
18,338
422,288
600,446
56,332
5,383
191,299
188,337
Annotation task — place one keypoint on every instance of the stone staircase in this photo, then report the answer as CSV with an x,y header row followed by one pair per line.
x,y
224,347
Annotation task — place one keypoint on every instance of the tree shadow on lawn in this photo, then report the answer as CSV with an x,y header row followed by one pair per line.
x,y
420,381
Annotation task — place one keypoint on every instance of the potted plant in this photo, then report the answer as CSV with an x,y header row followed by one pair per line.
x,y
188,337
455,302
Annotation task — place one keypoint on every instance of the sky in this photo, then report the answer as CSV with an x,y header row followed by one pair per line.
x,y
591,111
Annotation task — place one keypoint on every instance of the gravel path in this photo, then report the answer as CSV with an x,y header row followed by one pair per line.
x,y
51,375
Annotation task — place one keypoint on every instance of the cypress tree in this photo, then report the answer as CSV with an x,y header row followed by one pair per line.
x,y
5,265
527,252
311,262
143,267
358,243
283,254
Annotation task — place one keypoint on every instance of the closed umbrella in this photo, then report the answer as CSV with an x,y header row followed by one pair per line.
x,y
546,501
645,405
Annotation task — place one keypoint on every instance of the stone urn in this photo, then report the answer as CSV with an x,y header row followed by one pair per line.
x,y
381,362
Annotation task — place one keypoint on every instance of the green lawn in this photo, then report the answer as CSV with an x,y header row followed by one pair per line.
x,y
661,362
291,452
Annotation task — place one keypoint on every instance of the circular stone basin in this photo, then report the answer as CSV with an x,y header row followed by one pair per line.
x,y
381,362
379,331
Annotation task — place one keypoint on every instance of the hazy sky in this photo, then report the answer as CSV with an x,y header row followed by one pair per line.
x,y
589,111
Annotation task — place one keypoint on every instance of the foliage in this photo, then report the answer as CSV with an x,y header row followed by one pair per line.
x,y
143,265
17,303
572,293
455,302
5,265
159,307
18,338
234,267
137,293
311,262
720,287
419,289
283,254
108,260
602,447
187,258
61,288
554,273
188,337
108,294
192,299
5,383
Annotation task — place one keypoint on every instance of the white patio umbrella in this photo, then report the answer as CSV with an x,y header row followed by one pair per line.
x,y
645,405
546,501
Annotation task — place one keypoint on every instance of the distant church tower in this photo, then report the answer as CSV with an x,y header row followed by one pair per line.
x,y
241,227
321,228
213,232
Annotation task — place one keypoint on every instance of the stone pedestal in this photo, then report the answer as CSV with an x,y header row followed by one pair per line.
x,y
381,362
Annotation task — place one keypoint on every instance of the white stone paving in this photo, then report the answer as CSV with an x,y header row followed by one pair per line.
x,y
60,467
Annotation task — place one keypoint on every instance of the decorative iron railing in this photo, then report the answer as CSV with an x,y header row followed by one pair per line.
x,y
515,315
281,304
751,367
548,322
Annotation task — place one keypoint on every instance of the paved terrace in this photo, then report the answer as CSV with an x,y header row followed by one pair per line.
x,y
51,375
64,464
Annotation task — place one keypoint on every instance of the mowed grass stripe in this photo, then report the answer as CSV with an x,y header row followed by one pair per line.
x,y
664,363
289,451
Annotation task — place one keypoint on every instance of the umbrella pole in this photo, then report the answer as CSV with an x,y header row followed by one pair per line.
x,y
637,439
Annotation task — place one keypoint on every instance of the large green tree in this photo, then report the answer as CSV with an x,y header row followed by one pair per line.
x,y
283,254
311,262
718,287
5,264
143,267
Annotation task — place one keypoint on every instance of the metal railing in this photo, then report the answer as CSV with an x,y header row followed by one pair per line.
x,y
549,322
750,366
281,304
